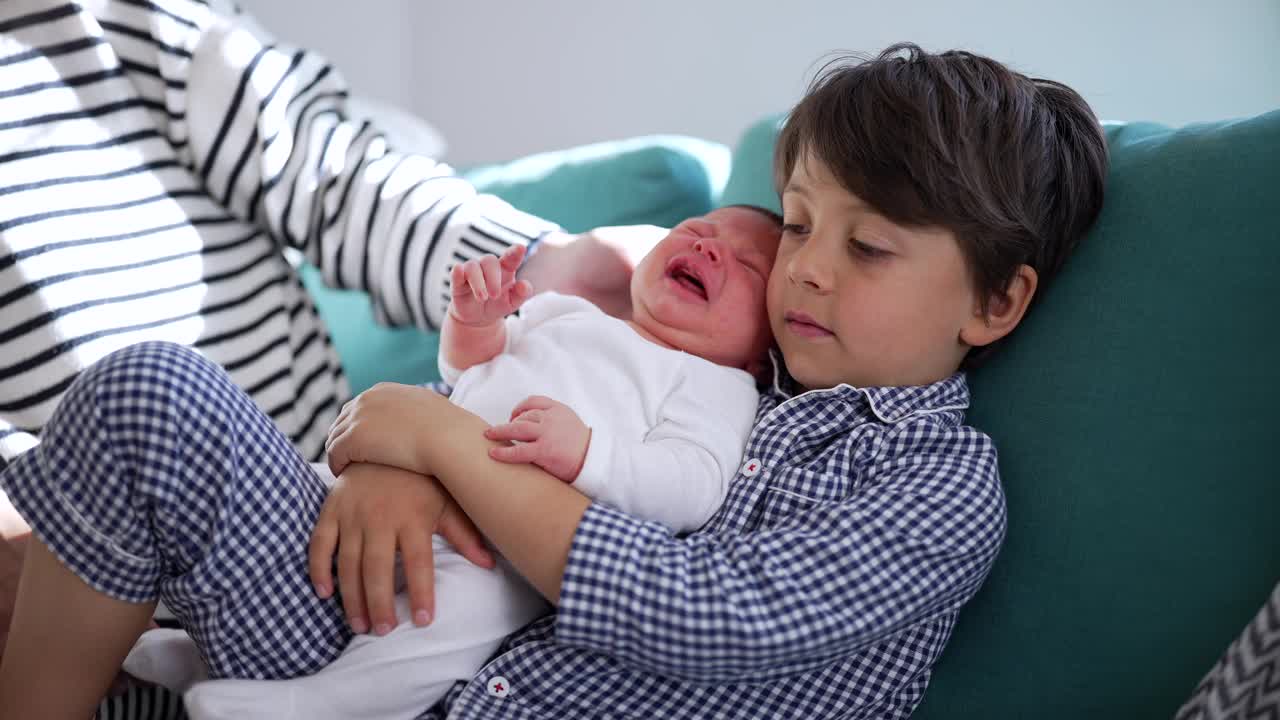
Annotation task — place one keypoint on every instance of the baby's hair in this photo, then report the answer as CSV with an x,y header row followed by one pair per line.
x,y
1014,166
773,216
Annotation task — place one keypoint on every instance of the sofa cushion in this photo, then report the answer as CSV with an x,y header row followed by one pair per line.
x,y
657,180
1135,417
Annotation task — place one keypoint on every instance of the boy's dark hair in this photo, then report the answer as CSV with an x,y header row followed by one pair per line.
x,y
1014,166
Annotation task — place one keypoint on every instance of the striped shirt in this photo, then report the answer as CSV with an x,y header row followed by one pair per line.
x,y
155,160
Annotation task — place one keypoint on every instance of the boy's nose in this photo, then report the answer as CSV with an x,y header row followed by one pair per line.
x,y
807,269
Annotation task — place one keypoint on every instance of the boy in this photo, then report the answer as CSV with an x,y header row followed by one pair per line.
x,y
926,198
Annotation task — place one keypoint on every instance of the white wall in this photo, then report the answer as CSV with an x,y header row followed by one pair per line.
x,y
501,79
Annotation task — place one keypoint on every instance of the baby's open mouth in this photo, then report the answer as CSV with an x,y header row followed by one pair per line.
x,y
684,274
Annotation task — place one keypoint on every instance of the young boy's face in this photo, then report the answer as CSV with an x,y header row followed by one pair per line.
x,y
855,298
702,287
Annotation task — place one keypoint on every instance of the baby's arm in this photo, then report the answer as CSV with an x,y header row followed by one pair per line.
x,y
485,291
677,475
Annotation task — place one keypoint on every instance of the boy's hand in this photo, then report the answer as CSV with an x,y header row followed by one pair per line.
x,y
371,512
485,289
387,424
550,435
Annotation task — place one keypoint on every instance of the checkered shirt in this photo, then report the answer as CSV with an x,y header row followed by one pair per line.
x,y
826,586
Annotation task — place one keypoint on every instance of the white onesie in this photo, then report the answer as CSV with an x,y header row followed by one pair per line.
x,y
668,431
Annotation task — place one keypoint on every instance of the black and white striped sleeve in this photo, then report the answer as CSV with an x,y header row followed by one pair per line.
x,y
271,140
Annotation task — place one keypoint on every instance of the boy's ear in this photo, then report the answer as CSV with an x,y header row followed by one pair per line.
x,y
1004,310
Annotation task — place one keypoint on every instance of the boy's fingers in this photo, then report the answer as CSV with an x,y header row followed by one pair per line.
x,y
523,453
521,431
349,556
533,402
475,278
419,575
337,449
324,540
464,536
379,578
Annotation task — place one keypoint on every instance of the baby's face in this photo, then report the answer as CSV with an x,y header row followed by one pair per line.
x,y
702,288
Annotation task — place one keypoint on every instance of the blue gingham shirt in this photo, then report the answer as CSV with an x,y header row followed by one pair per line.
x,y
860,522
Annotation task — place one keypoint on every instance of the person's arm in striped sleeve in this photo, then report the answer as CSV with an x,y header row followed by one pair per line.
x,y
271,140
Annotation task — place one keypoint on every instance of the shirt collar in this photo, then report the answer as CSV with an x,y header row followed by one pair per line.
x,y
889,404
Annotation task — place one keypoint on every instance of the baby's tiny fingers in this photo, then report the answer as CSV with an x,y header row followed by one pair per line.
x,y
522,431
531,417
512,258
523,453
521,291
475,278
533,402
492,275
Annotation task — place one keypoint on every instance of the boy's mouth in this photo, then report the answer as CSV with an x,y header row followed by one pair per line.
x,y
804,325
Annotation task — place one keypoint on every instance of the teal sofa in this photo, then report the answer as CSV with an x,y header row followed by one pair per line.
x,y
1135,412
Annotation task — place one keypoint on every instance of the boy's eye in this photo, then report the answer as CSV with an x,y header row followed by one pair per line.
x,y
794,229
870,252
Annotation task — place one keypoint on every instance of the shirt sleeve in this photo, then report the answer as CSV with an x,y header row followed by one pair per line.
x,y
718,608
679,474
271,140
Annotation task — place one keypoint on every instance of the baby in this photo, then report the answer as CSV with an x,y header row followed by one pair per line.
x,y
649,415
667,394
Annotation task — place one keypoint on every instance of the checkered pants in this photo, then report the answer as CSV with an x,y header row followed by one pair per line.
x,y
157,477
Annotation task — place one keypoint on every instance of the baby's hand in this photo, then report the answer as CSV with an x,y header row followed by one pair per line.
x,y
485,289
550,435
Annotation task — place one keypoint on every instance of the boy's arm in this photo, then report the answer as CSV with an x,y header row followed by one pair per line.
x,y
915,542
912,543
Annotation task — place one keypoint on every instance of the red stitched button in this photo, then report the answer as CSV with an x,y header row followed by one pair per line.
x,y
752,467
499,687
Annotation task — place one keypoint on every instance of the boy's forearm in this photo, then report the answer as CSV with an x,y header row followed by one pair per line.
x,y
529,516
466,345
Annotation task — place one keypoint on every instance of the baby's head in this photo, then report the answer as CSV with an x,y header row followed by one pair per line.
x,y
925,199
702,287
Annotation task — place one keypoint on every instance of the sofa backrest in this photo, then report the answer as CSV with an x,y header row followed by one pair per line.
x,y
1135,414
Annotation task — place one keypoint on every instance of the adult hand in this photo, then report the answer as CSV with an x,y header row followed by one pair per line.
x,y
596,265
371,512
387,424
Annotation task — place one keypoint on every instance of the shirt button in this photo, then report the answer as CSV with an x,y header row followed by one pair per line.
x,y
752,467
499,687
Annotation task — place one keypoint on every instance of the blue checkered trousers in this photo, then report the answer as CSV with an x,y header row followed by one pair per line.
x,y
826,586
157,477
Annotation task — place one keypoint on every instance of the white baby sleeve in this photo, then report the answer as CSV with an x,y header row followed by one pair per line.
x,y
535,311
679,474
